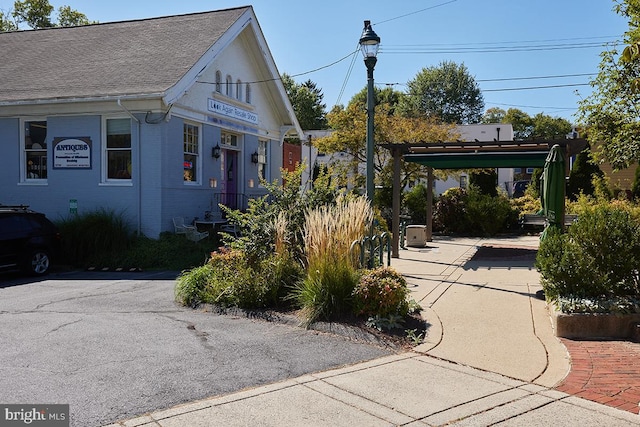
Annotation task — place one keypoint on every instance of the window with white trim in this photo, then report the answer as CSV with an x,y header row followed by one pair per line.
x,y
239,90
229,139
228,89
191,146
247,94
262,159
35,150
218,81
117,149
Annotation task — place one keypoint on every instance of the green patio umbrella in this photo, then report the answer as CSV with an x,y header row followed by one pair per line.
x,y
553,189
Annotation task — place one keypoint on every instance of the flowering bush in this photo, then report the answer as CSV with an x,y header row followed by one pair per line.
x,y
381,292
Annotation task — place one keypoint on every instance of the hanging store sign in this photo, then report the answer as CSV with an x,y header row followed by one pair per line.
x,y
232,111
72,153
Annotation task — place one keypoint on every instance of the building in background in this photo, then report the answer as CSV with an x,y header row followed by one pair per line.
x,y
152,118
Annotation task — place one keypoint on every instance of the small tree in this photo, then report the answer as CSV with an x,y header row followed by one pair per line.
x,y
582,175
415,202
635,188
306,99
485,180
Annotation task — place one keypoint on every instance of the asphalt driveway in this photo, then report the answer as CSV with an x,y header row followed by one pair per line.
x,y
115,345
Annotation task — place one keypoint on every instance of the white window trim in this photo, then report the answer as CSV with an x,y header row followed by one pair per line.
x,y
264,156
247,94
218,85
228,91
23,154
104,158
198,178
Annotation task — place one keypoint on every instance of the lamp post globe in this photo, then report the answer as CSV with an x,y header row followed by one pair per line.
x,y
369,43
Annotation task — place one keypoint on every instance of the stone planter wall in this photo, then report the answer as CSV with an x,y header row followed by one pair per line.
x,y
595,326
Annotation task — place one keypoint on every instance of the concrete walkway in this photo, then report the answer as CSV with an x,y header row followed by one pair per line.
x,y
490,358
483,310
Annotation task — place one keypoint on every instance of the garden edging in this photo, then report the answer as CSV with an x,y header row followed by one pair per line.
x,y
595,325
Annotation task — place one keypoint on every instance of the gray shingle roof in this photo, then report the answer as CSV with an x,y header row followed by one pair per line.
x,y
112,59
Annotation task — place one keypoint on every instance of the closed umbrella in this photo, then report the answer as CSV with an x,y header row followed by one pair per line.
x,y
553,189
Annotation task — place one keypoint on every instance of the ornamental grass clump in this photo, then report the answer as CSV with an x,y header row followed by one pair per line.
x,y
331,272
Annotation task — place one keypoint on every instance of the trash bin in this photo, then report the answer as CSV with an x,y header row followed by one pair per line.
x,y
416,235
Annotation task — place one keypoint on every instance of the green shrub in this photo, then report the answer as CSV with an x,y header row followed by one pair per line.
x,y
258,233
415,203
525,204
381,292
485,181
488,215
597,259
228,280
582,175
234,283
93,233
473,213
450,211
191,285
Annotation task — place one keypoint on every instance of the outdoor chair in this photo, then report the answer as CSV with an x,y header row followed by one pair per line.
x,y
229,229
180,227
195,235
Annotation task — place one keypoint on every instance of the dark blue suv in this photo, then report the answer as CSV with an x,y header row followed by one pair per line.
x,y
28,240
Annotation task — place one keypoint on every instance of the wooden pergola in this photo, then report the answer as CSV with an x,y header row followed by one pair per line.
x,y
468,155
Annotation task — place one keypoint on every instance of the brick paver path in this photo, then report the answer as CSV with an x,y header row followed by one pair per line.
x,y
606,372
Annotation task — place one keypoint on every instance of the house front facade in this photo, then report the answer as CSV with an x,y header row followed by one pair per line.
x,y
151,119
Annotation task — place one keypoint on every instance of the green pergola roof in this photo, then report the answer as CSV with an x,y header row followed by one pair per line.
x,y
480,160
483,154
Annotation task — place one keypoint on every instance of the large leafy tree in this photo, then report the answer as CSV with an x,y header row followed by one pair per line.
x,y
349,136
391,98
447,93
521,122
306,99
526,127
38,14
493,115
612,112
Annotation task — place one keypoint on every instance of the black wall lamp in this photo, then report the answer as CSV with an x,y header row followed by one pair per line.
x,y
215,152
254,157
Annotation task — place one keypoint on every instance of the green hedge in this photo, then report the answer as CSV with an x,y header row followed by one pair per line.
x,y
594,265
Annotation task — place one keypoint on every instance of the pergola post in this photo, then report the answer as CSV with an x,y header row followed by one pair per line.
x,y
429,224
395,221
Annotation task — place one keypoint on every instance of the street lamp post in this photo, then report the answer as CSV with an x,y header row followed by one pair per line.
x,y
369,43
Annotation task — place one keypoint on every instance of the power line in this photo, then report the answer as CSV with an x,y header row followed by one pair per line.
x,y
346,79
535,87
532,106
508,79
608,39
414,13
536,78
494,49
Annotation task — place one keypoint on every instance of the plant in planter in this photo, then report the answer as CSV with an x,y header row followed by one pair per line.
x,y
593,267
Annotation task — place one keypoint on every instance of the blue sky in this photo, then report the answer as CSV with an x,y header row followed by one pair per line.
x,y
499,41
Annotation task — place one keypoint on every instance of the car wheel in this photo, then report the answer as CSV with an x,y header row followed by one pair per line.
x,y
39,263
